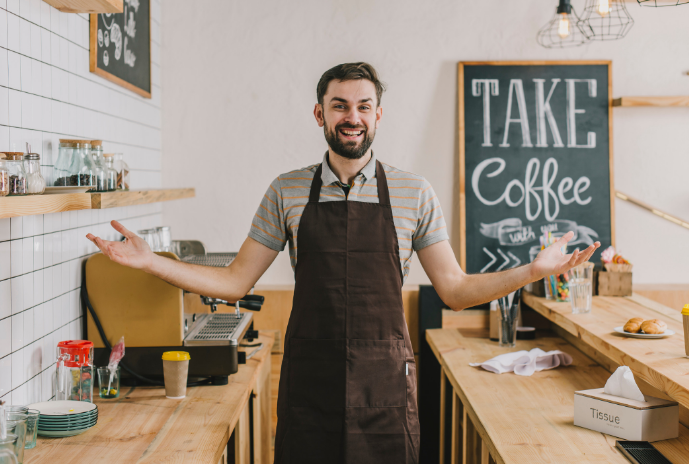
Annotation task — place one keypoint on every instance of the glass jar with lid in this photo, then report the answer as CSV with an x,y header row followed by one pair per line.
x,y
35,183
110,172
100,181
15,166
74,166
4,177
122,172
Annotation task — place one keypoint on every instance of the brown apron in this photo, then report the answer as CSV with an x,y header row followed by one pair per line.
x,y
348,380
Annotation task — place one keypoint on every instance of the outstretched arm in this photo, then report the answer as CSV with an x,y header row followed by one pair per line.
x,y
229,283
459,290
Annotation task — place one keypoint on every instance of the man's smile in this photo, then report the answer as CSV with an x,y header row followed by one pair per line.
x,y
351,134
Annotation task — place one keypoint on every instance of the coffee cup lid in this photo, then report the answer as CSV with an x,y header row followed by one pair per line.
x,y
685,310
176,356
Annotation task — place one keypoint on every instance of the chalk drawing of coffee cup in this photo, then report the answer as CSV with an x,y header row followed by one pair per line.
x,y
100,37
106,57
116,37
106,39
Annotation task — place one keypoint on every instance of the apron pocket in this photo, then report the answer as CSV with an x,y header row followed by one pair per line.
x,y
317,373
376,374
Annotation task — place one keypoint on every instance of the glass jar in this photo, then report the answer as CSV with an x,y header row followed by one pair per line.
x,y
99,166
122,172
15,166
35,183
4,177
164,238
110,172
74,166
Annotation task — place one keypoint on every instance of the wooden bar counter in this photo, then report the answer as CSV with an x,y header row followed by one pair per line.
x,y
142,426
507,418
661,364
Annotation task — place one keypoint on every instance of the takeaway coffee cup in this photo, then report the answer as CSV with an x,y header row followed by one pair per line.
x,y
175,369
685,319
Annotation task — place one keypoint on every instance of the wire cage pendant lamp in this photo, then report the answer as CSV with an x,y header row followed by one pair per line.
x,y
605,20
562,31
659,3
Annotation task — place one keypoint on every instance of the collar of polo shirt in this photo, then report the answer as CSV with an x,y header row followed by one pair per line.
x,y
328,176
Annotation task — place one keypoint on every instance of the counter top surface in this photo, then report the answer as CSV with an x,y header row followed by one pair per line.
x,y
530,419
662,363
143,426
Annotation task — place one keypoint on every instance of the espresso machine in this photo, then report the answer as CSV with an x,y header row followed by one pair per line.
x,y
155,317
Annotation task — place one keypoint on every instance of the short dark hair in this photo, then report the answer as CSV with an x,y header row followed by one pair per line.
x,y
349,72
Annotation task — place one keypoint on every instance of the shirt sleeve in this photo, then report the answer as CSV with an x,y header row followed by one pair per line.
x,y
268,225
430,227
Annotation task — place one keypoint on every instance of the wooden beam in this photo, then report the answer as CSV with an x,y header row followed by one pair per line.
x,y
87,6
138,197
651,101
657,212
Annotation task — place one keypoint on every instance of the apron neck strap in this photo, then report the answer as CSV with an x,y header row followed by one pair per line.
x,y
383,194
315,193
382,181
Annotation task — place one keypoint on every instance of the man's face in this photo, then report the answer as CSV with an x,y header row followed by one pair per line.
x,y
349,116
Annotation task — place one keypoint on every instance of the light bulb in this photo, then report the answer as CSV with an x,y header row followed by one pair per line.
x,y
563,26
603,7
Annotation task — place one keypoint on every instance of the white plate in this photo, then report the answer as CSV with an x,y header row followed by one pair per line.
x,y
667,333
62,408
67,189
66,433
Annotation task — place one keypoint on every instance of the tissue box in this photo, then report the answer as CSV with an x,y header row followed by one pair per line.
x,y
651,420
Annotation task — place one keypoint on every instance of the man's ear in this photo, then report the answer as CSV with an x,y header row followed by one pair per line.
x,y
379,115
318,113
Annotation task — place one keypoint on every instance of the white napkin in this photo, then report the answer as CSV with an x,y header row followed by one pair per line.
x,y
525,362
622,383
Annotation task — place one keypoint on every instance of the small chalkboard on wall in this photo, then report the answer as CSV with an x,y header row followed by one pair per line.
x,y
535,156
121,46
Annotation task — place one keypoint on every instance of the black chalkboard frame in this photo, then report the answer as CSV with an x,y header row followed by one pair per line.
x,y
93,59
462,148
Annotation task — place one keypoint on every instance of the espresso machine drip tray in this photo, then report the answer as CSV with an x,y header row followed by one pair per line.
x,y
217,329
210,259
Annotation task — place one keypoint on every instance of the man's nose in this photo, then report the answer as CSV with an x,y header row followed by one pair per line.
x,y
353,117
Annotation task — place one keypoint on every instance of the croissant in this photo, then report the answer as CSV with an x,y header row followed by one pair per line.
x,y
654,326
633,325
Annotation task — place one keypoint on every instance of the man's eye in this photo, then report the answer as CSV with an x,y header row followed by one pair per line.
x,y
364,108
339,106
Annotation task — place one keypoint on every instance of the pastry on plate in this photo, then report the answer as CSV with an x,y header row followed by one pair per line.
x,y
633,325
654,326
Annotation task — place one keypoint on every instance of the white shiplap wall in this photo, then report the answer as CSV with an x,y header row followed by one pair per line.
x,y
48,93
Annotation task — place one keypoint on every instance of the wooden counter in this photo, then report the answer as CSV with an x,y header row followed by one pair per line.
x,y
508,418
142,426
660,363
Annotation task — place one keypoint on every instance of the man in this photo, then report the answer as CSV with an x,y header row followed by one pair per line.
x,y
348,387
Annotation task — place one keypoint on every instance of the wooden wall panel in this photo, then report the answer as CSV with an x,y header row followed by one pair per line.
x,y
673,296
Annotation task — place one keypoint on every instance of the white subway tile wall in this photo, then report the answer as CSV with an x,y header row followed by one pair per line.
x,y
47,93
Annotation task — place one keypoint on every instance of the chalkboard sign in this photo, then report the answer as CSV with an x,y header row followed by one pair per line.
x,y
535,156
121,46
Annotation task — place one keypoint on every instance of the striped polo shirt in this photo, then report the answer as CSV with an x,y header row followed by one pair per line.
x,y
415,208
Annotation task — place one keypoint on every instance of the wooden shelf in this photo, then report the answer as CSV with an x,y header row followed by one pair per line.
x,y
651,101
59,202
87,6
138,197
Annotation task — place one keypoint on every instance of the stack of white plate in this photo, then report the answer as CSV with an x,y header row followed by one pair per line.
x,y
65,418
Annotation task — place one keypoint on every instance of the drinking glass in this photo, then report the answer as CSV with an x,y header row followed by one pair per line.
x,y
8,449
31,428
106,389
581,288
18,427
507,329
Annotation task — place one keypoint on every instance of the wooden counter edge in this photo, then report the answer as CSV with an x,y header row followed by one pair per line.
x,y
468,408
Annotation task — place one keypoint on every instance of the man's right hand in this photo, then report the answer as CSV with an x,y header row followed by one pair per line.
x,y
133,251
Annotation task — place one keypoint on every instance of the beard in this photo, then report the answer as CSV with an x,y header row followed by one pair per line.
x,y
349,149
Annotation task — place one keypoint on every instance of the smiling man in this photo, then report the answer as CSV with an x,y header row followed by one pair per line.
x,y
347,389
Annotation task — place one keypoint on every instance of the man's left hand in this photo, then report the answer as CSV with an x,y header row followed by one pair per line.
x,y
551,260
